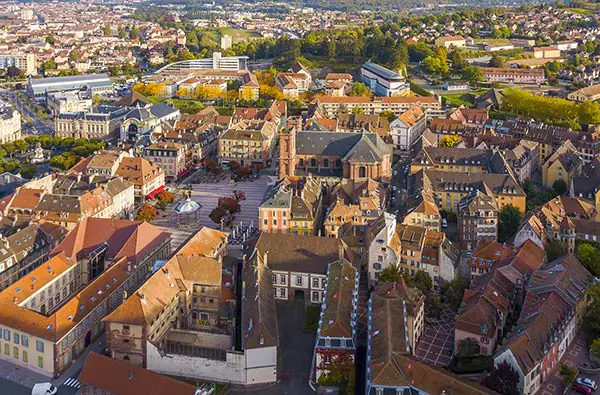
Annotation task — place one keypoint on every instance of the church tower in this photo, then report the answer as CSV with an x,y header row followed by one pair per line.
x,y
287,152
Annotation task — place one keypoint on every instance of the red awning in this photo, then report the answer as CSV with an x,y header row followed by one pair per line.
x,y
152,194
184,172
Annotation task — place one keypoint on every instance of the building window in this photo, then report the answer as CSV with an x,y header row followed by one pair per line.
x,y
16,352
6,335
6,349
315,283
315,296
39,345
15,338
25,340
25,359
40,362
299,281
282,292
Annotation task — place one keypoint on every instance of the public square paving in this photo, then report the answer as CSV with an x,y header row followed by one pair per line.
x,y
207,195
436,345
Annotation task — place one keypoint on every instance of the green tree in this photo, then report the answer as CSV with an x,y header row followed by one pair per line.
x,y
496,61
106,30
390,274
50,39
28,171
472,74
588,256
453,292
509,220
589,113
422,281
389,114
359,89
468,347
559,186
21,145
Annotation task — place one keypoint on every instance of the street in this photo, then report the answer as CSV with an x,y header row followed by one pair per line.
x,y
38,125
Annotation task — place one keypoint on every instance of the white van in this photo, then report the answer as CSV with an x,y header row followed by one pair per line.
x,y
44,389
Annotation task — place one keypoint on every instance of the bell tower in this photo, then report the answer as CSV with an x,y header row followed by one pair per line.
x,y
287,152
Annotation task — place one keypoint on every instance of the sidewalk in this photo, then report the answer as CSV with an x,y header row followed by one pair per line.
x,y
29,378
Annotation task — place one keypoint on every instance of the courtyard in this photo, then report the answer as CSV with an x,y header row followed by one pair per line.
x,y
436,345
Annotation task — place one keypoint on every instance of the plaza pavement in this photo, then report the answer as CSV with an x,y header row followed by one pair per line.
x,y
208,195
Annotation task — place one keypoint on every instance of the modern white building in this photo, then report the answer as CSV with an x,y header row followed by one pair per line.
x,y
217,62
384,82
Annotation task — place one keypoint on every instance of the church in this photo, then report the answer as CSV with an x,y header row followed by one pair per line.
x,y
352,155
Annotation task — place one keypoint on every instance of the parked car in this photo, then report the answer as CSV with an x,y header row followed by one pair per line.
x,y
581,389
444,223
44,389
587,382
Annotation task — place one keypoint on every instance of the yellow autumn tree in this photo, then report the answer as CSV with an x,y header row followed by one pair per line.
x,y
150,88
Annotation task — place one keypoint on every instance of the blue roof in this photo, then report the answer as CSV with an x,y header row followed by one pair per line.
x,y
382,71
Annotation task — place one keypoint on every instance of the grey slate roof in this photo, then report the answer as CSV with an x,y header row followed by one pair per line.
x,y
366,145
162,109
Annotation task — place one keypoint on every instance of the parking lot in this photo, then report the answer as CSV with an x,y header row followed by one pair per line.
x,y
436,345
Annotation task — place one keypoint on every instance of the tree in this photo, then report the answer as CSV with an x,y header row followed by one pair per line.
x,y
147,213
436,65
106,30
217,214
28,171
588,256
50,39
422,281
468,347
589,113
341,373
559,186
595,348
150,89
509,220
496,61
359,89
357,110
21,145
449,141
503,379
567,373
14,72
165,198
389,114
390,274
472,74
453,292
592,314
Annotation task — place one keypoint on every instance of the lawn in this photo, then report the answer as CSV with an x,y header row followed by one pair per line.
x,y
187,106
236,34
311,320
460,99
581,11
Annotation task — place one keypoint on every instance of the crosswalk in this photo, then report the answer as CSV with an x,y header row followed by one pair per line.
x,y
71,382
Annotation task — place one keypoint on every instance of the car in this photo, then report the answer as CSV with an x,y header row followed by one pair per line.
x,y
444,223
44,389
587,382
395,173
581,389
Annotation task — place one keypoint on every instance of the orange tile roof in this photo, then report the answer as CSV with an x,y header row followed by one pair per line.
x,y
26,198
119,377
